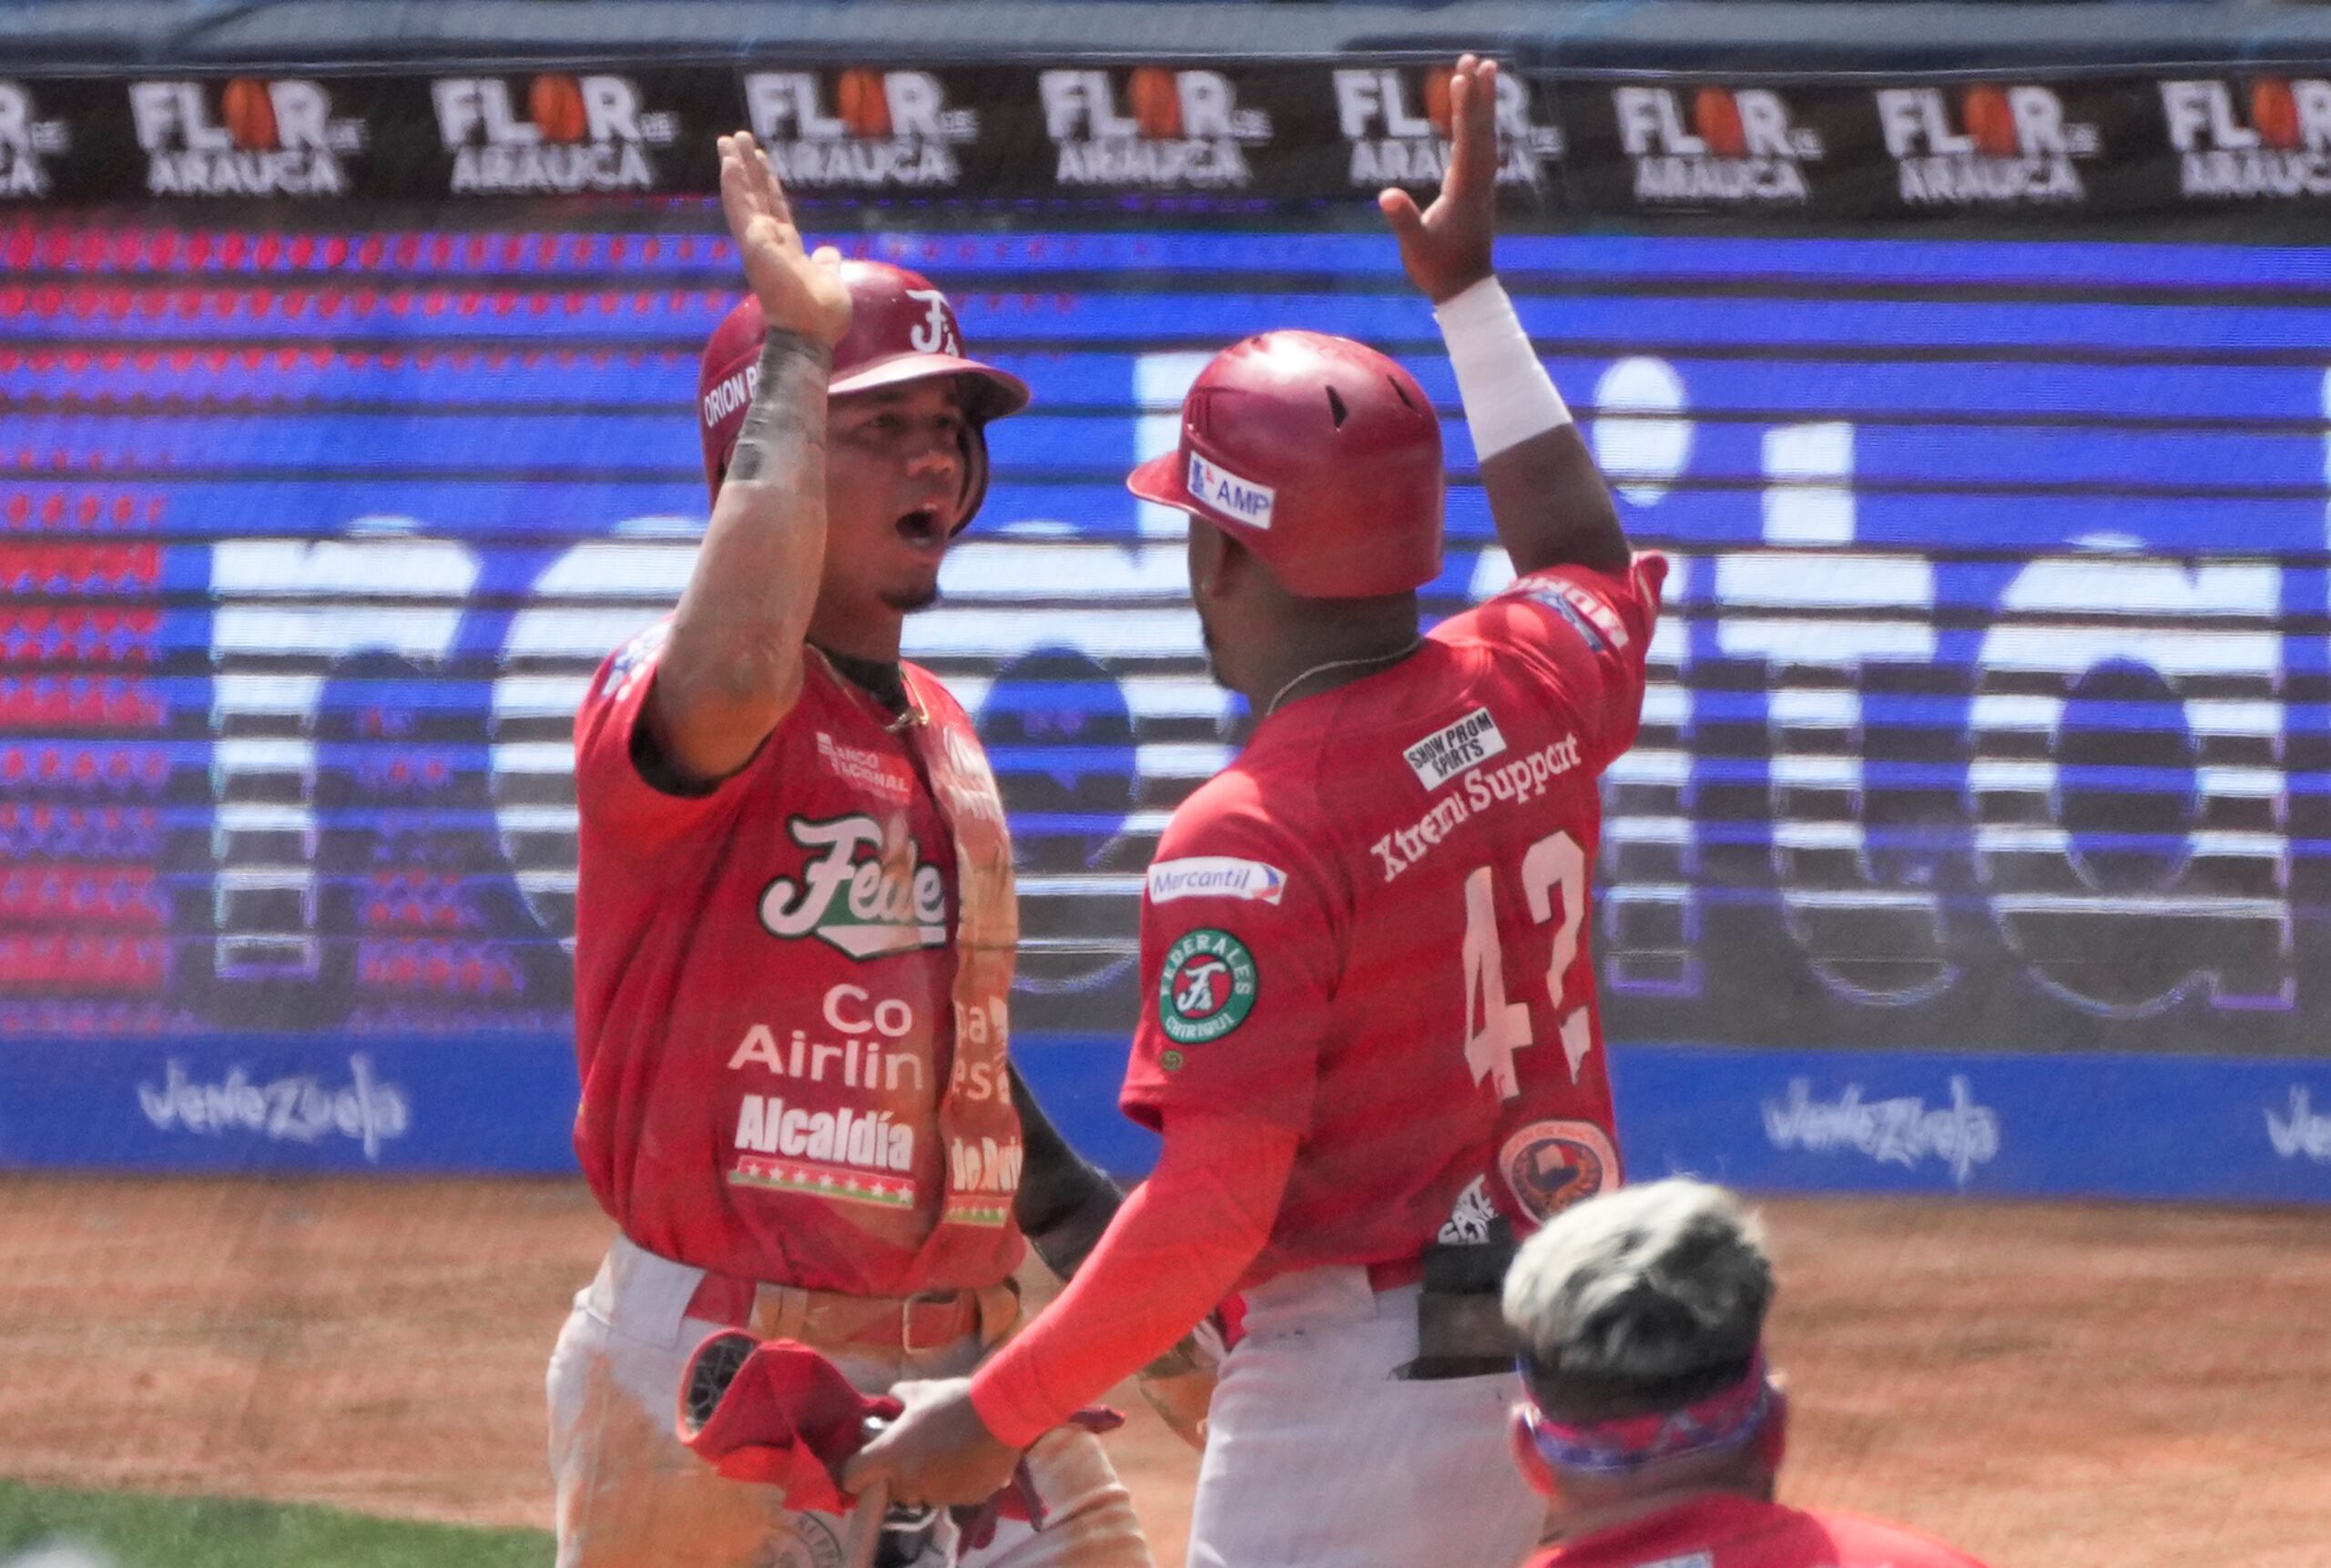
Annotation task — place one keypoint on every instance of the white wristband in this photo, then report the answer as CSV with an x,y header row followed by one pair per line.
x,y
1508,395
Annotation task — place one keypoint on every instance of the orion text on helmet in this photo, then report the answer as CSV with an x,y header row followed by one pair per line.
x,y
1396,123
733,393
242,137
858,128
1165,129
2269,138
578,133
26,142
1983,145
1734,146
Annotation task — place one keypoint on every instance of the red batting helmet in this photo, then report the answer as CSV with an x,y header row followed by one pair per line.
x,y
1318,453
902,328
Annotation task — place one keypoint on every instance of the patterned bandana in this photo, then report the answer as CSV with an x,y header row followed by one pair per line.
x,y
1723,1419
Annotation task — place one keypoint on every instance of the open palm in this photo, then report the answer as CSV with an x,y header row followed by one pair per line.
x,y
799,291
1446,247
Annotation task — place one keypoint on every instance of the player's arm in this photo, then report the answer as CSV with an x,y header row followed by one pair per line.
x,y
1065,1201
732,666
1545,495
1176,1249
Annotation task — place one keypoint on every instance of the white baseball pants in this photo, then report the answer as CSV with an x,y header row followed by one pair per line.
x,y
630,1495
1317,1457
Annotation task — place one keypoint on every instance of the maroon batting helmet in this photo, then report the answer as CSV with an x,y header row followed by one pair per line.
x,y
1318,453
902,328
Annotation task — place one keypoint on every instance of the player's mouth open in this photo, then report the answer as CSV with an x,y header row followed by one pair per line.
x,y
923,529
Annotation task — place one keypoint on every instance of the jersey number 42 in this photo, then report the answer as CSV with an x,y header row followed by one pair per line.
x,y
1495,1028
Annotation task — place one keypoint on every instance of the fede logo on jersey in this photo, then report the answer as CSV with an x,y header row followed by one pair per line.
x,y
247,136
1396,122
587,133
1207,988
26,142
866,893
1734,146
1220,490
1150,128
2272,140
1984,145
859,129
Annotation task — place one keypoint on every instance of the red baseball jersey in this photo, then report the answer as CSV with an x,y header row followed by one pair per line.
x,y
766,1002
1370,929
1742,1533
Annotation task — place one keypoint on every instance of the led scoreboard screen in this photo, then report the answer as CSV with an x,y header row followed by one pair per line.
x,y
1987,721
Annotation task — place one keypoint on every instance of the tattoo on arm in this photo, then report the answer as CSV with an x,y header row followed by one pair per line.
x,y
732,666
785,428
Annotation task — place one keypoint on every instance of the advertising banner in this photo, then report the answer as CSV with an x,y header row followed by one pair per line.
x,y
2037,150
1979,833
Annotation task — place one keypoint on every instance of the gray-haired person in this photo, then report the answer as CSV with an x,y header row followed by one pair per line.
x,y
1653,1422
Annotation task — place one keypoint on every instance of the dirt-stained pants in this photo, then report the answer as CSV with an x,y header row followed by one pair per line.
x,y
631,1496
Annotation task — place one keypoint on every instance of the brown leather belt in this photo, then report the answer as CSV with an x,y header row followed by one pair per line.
x,y
913,1325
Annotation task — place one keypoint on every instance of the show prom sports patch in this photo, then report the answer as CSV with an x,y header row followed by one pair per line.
x,y
1207,988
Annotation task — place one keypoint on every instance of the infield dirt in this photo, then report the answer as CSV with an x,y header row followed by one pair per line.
x,y
2047,1386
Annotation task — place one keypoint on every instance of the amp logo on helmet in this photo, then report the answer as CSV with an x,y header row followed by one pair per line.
x,y
1396,121
1736,146
578,133
243,137
859,129
1219,490
1161,129
26,143
1984,145
2273,140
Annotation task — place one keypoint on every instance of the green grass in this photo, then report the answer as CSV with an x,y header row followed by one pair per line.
x,y
136,1532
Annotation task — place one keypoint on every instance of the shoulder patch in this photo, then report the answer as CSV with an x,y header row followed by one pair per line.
x,y
1448,751
1549,1166
1215,877
631,659
1206,987
1595,622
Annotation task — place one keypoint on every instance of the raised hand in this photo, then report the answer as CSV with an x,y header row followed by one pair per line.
x,y
1446,247
800,292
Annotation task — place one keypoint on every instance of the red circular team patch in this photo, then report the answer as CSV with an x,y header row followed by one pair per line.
x,y
1549,1166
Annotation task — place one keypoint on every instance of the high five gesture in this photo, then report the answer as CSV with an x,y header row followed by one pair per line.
x,y
1446,247
1549,503
800,292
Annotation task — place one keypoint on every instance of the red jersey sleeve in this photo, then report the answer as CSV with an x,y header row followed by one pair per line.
x,y
611,794
1240,932
1589,633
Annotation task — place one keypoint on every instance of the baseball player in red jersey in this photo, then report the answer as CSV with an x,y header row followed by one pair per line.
x,y
1369,1035
1652,1423
795,937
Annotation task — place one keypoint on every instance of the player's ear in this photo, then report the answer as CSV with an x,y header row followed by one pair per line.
x,y
1211,567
